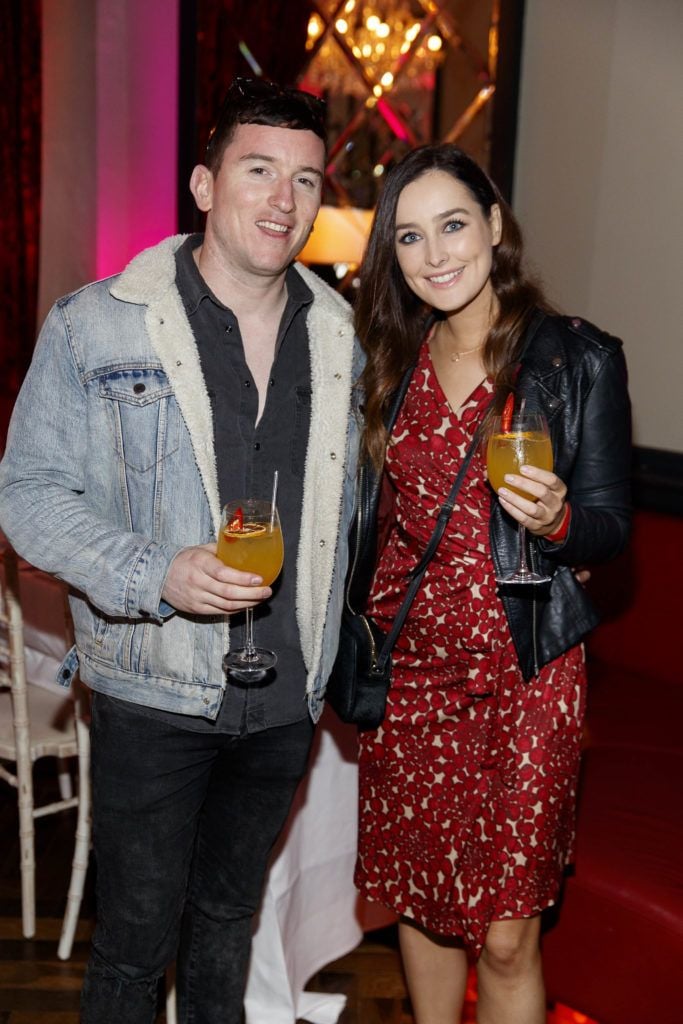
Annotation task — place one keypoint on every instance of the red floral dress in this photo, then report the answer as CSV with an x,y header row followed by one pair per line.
x,y
467,789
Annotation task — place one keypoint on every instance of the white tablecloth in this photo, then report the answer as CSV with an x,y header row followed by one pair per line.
x,y
310,913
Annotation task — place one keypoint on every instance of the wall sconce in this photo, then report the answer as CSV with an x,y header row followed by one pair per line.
x,y
339,236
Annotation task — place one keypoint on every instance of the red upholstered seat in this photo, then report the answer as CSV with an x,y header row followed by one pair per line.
x,y
615,951
641,597
624,709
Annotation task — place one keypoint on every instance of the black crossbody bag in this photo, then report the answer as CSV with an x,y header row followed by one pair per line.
x,y
359,683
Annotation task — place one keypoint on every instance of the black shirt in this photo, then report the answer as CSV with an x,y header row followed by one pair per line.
x,y
247,455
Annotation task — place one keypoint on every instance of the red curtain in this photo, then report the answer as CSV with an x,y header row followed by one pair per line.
x,y
20,126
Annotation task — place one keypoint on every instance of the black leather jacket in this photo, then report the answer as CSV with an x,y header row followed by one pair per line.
x,y
576,375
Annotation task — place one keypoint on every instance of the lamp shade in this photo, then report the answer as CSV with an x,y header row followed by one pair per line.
x,y
339,236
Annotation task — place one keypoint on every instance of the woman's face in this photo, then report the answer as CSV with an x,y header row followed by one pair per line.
x,y
444,244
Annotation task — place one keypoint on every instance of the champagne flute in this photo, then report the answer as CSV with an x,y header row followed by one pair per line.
x,y
250,540
524,442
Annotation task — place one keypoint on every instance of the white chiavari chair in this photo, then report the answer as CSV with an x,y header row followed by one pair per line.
x,y
36,723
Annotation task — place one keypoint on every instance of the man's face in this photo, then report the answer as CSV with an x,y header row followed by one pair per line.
x,y
263,200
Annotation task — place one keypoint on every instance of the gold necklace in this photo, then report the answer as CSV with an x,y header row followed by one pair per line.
x,y
456,355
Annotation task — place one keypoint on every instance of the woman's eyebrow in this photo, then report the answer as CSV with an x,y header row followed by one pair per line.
x,y
436,217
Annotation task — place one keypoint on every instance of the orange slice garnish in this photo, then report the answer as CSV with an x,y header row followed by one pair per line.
x,y
243,532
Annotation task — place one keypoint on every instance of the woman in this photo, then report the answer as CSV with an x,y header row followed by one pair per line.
x,y
468,787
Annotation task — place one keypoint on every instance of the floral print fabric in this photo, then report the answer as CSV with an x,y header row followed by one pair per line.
x,y
467,789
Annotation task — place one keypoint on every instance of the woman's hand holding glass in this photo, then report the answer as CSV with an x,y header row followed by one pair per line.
x,y
519,465
545,513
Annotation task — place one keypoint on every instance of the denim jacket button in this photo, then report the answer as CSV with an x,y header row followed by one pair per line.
x,y
139,388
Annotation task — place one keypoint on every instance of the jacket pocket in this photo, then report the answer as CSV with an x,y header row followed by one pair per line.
x,y
143,414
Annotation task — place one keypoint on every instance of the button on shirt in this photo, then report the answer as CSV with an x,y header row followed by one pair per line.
x,y
247,454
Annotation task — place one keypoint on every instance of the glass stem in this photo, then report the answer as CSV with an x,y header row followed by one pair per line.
x,y
249,649
523,567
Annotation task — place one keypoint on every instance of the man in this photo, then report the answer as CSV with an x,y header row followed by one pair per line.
x,y
155,397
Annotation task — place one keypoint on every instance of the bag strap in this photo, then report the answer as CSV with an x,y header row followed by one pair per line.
x,y
418,572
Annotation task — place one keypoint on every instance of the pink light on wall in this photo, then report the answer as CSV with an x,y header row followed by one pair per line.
x,y
136,125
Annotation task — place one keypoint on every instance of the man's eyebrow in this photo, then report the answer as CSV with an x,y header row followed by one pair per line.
x,y
258,156
311,170
273,160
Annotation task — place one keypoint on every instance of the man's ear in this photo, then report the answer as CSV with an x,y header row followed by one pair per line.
x,y
496,222
201,187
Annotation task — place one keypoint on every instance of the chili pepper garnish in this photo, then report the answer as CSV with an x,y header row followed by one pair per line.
x,y
237,522
506,415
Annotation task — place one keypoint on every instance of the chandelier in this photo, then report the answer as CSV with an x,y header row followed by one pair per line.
x,y
364,49
376,63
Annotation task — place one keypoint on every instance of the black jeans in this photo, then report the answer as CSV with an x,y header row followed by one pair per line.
x,y
183,824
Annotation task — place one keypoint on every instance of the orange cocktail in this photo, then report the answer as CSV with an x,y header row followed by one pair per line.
x,y
507,451
252,547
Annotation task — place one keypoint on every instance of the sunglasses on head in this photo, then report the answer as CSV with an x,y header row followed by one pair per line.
x,y
260,89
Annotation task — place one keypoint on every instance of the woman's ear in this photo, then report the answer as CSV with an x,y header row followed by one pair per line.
x,y
201,187
496,222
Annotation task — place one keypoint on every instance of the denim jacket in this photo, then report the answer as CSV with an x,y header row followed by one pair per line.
x,y
110,471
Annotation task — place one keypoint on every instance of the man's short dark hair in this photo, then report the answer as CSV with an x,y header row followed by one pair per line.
x,y
258,101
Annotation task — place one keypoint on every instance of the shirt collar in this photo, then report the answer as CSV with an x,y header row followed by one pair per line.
x,y
191,285
193,288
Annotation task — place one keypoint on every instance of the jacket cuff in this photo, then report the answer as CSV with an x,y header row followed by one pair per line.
x,y
558,535
143,594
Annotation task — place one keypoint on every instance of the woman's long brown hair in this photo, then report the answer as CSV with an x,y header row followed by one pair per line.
x,y
390,320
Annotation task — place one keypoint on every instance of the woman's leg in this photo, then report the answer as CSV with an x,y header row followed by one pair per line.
x,y
509,976
436,972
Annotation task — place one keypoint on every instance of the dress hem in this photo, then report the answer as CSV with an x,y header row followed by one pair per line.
x,y
473,947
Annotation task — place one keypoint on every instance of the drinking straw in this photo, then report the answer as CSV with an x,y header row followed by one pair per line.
x,y
272,502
